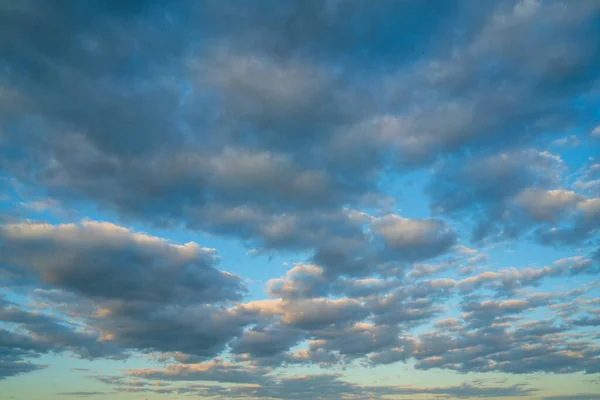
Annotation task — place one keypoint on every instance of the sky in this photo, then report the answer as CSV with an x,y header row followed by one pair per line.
x,y
300,199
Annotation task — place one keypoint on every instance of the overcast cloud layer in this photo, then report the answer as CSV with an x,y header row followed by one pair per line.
x,y
300,199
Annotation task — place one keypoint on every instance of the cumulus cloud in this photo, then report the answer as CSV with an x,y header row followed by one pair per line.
x,y
106,261
286,112
547,205
414,239
507,281
132,290
296,129
582,227
482,187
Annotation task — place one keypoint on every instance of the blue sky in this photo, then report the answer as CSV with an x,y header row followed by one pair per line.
x,y
300,200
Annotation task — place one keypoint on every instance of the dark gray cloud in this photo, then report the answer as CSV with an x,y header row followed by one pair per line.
x,y
280,124
106,261
372,323
485,340
483,187
265,341
131,290
31,333
290,110
592,319
583,226
376,323
512,193
198,330
13,368
363,339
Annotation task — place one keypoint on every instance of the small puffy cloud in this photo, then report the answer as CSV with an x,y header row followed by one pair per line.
x,y
414,239
303,280
547,205
569,141
507,281
265,342
312,313
578,230
497,344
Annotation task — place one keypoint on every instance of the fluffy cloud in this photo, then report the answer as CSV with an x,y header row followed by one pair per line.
x,y
414,239
295,128
482,187
582,227
181,319
548,205
132,290
308,129
109,262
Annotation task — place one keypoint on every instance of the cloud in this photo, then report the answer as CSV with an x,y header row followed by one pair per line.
x,y
507,281
590,396
209,371
310,131
294,128
414,239
487,339
582,227
481,188
264,342
47,334
106,261
318,312
300,281
547,206
323,386
141,292
587,178
569,141
14,368
372,324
